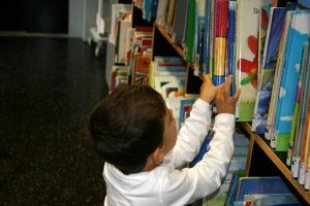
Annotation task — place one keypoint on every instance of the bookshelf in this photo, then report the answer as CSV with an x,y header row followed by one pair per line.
x,y
262,159
277,167
277,159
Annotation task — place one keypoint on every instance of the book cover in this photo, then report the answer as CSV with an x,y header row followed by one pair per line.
x,y
233,188
179,21
261,185
117,11
268,68
272,200
264,16
299,110
185,109
199,37
190,34
247,14
231,42
206,37
307,178
301,138
220,26
161,14
170,15
269,135
298,35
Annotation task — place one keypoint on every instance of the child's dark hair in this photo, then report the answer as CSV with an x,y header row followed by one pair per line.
x,y
127,126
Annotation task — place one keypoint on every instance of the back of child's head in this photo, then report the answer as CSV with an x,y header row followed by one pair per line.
x,y
127,126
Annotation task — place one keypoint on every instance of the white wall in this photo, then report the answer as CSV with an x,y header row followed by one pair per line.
x,y
82,16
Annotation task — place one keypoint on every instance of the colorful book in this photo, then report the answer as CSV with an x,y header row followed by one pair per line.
x,y
270,56
307,179
298,35
220,41
233,188
206,38
247,14
271,200
185,109
276,83
231,42
264,16
261,185
300,137
299,112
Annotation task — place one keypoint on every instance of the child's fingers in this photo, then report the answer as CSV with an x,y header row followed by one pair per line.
x,y
206,77
237,94
228,83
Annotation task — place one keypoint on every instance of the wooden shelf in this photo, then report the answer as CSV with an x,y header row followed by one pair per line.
x,y
278,162
168,37
179,49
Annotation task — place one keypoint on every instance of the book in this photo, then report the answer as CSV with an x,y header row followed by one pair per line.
x,y
271,200
161,14
307,178
206,37
261,185
221,21
117,11
298,35
264,17
180,21
300,139
231,42
233,188
188,45
269,135
270,56
247,14
185,109
299,112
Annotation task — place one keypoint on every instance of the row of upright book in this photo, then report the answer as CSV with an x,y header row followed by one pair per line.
x,y
264,44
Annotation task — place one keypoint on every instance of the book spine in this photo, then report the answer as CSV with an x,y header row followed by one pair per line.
x,y
221,11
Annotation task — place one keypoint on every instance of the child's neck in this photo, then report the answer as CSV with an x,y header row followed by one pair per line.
x,y
149,166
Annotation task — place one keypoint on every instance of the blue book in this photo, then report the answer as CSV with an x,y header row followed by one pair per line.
x,y
272,200
304,3
147,10
298,35
276,22
231,41
154,7
206,39
261,185
233,188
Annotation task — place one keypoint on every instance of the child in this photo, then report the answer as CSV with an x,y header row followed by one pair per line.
x,y
136,135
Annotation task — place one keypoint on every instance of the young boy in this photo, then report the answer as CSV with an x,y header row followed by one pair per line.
x,y
136,135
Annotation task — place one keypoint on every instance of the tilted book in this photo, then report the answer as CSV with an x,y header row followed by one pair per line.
x,y
270,55
298,35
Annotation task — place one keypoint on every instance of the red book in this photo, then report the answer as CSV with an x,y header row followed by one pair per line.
x,y
221,7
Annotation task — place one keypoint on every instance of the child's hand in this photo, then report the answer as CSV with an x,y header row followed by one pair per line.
x,y
207,90
225,103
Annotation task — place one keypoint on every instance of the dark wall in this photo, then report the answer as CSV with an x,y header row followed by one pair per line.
x,y
44,16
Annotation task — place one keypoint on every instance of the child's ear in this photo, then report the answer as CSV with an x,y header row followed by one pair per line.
x,y
158,156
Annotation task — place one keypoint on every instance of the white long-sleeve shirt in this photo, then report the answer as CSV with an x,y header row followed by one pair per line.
x,y
167,186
